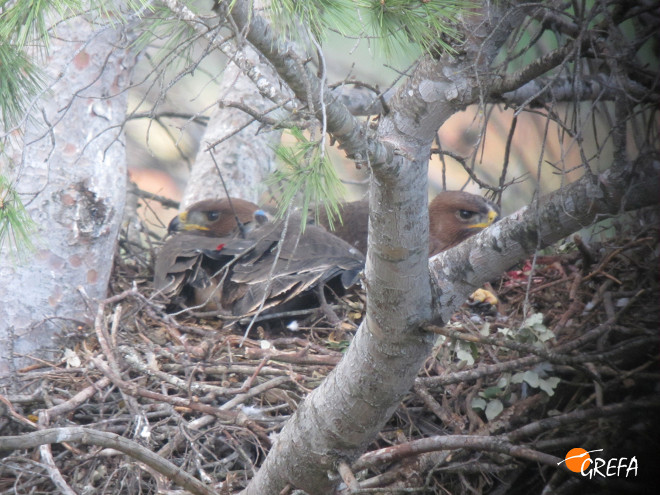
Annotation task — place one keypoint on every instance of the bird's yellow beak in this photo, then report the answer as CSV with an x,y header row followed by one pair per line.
x,y
180,222
492,216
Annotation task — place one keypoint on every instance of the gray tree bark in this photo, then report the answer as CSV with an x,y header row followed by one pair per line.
x,y
67,162
244,158
343,415
79,216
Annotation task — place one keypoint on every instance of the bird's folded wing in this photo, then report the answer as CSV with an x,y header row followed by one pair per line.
x,y
316,252
303,262
182,254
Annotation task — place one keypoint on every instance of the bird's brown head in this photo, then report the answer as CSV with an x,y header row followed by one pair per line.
x,y
216,217
456,215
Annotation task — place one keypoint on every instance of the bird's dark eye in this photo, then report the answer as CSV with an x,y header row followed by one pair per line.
x,y
212,215
466,214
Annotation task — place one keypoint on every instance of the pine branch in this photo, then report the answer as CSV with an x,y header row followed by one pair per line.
x,y
343,126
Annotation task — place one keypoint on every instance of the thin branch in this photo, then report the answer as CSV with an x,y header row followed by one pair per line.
x,y
88,436
537,68
344,127
541,91
543,425
454,442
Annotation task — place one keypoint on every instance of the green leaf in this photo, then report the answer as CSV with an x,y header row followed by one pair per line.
x,y
478,403
465,355
548,385
532,378
535,319
491,392
503,381
517,378
505,331
493,409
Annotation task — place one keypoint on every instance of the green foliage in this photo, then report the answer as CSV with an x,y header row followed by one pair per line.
x,y
532,331
25,30
466,351
317,15
20,81
490,400
15,224
29,24
307,171
537,380
424,23
397,25
24,21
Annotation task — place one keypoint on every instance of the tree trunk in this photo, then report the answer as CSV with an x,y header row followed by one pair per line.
x,y
68,164
345,413
245,158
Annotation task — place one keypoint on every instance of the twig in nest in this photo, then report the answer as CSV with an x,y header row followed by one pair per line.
x,y
88,436
348,477
485,443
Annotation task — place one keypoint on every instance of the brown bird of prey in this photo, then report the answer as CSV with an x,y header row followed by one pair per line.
x,y
453,217
456,215
208,262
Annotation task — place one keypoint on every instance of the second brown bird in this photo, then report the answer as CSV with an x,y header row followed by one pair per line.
x,y
453,217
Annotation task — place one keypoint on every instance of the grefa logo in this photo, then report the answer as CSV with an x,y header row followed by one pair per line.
x,y
578,460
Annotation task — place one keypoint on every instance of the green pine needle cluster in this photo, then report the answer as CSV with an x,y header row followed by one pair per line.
x,y
25,21
394,25
24,24
318,16
307,173
20,81
25,30
427,24
16,226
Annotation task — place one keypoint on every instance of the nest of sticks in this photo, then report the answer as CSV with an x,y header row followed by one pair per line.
x,y
143,401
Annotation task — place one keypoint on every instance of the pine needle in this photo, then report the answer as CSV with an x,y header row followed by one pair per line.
x,y
308,173
16,226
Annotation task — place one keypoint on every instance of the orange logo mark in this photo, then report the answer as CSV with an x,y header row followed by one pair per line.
x,y
578,460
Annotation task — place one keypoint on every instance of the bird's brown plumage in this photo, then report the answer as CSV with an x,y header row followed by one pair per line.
x,y
354,225
233,275
453,217
456,215
216,217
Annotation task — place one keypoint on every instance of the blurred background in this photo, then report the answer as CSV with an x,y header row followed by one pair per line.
x,y
161,149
